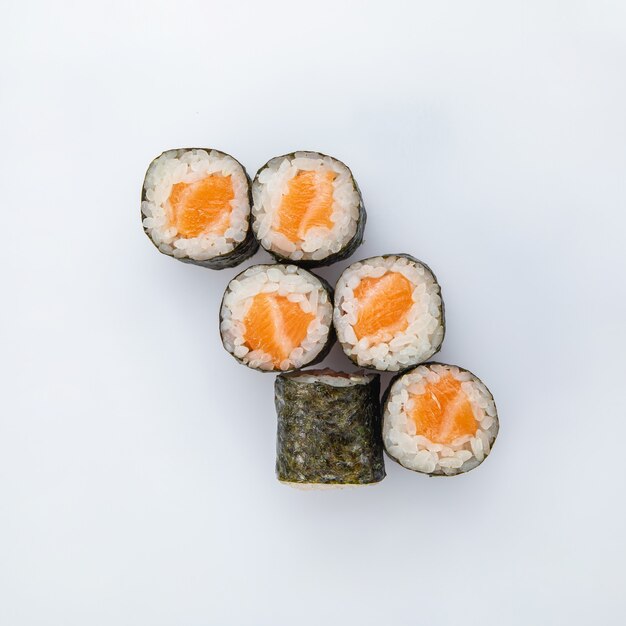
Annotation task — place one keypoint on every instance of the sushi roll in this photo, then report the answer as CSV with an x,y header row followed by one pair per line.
x,y
307,209
328,429
195,207
277,318
439,419
388,312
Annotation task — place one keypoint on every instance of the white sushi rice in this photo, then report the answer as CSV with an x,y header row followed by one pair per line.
x,y
189,166
418,453
290,281
271,185
325,486
334,379
425,330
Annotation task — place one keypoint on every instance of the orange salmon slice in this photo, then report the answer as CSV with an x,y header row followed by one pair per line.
x,y
443,412
307,203
202,207
275,325
382,306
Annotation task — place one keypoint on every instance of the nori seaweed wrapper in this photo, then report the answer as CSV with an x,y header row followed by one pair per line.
x,y
330,339
328,434
443,314
242,251
349,248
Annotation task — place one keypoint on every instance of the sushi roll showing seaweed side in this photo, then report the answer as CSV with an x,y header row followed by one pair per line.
x,y
328,429
195,207
307,209
277,318
439,420
388,312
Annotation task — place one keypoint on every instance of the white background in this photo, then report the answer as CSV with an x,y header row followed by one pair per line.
x,y
137,458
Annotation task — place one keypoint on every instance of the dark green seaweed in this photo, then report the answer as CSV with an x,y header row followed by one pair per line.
x,y
330,340
327,434
443,310
385,400
242,251
349,249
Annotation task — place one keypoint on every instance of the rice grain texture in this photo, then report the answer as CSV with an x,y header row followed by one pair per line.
x,y
215,234
398,321
277,318
330,218
445,392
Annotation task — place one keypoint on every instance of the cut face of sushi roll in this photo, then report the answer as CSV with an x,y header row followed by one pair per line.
x,y
195,207
439,420
328,429
277,317
307,208
388,312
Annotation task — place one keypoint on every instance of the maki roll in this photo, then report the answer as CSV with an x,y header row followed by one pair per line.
x,y
388,312
195,207
277,317
328,428
307,208
439,420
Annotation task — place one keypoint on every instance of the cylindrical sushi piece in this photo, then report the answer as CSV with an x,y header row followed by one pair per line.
x,y
195,207
277,318
307,209
388,312
439,419
328,428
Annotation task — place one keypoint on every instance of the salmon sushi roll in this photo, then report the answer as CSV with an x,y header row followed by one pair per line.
x,y
388,312
277,318
195,207
307,209
439,419
329,431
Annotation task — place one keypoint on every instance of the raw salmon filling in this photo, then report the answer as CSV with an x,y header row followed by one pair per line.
x,y
275,325
442,413
202,206
196,203
308,203
306,206
382,306
388,312
439,419
276,317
